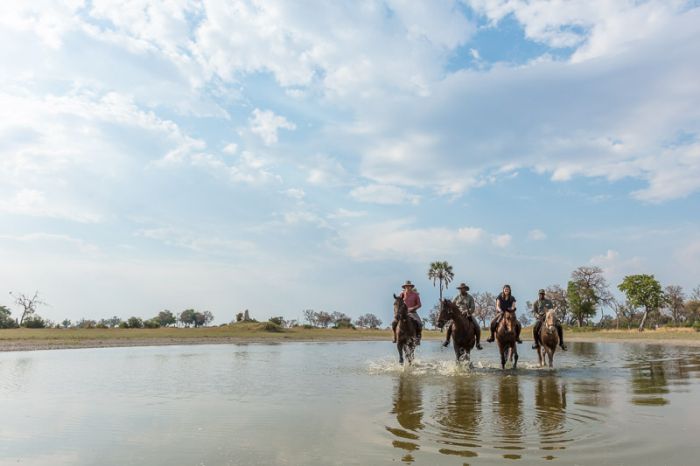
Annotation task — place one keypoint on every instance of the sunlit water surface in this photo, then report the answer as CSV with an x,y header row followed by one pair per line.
x,y
348,403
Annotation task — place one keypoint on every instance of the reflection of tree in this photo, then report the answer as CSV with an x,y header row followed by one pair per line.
x,y
460,417
509,415
585,349
408,408
550,412
649,377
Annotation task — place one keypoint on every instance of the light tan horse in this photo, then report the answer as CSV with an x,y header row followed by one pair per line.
x,y
505,337
549,338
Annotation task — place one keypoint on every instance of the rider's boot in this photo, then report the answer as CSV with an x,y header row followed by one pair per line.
x,y
419,335
560,331
447,337
393,331
517,334
535,333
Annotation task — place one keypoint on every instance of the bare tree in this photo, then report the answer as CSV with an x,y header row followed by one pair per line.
x,y
28,304
624,312
675,302
557,295
590,280
368,321
484,307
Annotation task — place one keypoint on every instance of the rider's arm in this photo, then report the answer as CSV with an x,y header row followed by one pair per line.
x,y
418,304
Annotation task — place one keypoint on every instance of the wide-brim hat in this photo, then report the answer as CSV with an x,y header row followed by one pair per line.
x,y
541,291
408,283
463,286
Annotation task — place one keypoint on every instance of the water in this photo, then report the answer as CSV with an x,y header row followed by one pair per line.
x,y
347,403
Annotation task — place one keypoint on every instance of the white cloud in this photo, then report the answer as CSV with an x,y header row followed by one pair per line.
x,y
198,242
231,148
35,204
537,235
295,193
501,241
265,124
616,267
326,171
345,214
383,194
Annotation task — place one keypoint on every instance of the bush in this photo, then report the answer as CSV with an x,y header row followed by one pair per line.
x,y
696,326
277,321
271,327
151,323
123,324
307,326
344,324
34,322
135,322
101,325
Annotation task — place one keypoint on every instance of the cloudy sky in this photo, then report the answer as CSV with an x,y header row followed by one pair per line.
x,y
279,156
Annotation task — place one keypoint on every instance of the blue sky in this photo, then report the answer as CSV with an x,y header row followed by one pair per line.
x,y
277,156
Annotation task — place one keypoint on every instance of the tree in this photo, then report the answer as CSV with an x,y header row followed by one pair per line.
x,y
433,316
624,312
368,321
582,302
28,304
484,307
35,321
341,319
165,318
558,296
441,272
675,303
66,323
239,317
201,319
5,320
524,319
695,294
324,319
187,317
642,291
591,282
152,323
279,320
134,322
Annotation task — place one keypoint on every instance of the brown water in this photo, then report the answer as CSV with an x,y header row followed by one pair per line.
x,y
348,403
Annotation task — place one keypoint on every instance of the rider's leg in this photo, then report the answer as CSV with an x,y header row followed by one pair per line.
x,y
536,333
419,330
394,323
448,336
518,328
494,323
560,331
477,329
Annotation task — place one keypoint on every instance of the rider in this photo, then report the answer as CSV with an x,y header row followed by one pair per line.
x,y
505,302
412,300
540,308
465,303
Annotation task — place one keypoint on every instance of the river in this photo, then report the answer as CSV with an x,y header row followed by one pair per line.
x,y
348,403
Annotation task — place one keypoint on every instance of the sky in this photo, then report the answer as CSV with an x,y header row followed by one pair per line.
x,y
278,156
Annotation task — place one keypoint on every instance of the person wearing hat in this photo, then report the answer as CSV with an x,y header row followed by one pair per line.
x,y
505,302
540,308
465,303
412,300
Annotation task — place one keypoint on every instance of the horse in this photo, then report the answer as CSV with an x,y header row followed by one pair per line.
x,y
463,331
549,339
505,337
405,331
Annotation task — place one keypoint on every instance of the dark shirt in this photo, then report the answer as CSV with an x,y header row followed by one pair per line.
x,y
505,304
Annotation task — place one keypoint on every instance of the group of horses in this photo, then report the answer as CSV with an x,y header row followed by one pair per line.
x,y
464,334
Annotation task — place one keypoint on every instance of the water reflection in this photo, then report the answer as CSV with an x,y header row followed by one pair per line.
x,y
508,413
408,409
550,413
459,418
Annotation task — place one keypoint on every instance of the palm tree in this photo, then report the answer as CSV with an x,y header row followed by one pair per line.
x,y
441,272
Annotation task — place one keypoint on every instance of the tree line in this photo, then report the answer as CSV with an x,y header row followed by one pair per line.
x,y
646,302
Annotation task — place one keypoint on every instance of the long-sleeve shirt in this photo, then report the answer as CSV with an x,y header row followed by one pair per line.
x,y
465,303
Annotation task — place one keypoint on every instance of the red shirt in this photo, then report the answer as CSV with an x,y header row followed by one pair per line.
x,y
412,300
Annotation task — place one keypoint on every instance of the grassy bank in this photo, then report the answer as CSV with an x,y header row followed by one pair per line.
x,y
38,339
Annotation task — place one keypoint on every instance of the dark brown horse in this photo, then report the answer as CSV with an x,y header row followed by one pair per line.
x,y
505,337
463,332
405,331
549,338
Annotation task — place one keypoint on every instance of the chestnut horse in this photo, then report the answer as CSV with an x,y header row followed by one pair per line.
x,y
505,337
405,331
549,338
463,331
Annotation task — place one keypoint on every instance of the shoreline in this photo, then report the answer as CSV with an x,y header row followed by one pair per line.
x,y
54,339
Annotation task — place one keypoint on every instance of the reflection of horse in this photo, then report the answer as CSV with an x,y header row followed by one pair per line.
x,y
548,338
405,331
550,411
463,332
408,408
509,420
505,337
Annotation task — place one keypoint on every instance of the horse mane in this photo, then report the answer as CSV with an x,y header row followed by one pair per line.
x,y
550,318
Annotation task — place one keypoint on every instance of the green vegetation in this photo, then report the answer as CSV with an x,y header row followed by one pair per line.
x,y
643,291
441,272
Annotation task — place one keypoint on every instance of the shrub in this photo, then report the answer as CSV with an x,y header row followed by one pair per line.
x,y
696,326
151,323
34,322
277,321
123,324
344,324
135,322
308,326
271,327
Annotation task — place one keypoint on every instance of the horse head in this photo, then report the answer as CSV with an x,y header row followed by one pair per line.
x,y
400,308
446,312
550,320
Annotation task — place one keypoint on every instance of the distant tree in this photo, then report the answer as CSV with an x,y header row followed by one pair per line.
x,y
113,322
607,322
239,317
624,312
311,317
324,319
6,321
203,318
525,319
86,323
692,310
279,320
441,272
484,307
246,316
66,323
643,291
557,295
581,301
341,319
368,321
433,316
134,322
187,317
695,294
165,318
591,283
27,303
152,323
675,303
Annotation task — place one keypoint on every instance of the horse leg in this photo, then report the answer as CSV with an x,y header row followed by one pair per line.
x,y
399,347
458,352
503,357
514,354
551,357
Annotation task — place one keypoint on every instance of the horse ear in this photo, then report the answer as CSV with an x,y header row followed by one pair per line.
x,y
396,297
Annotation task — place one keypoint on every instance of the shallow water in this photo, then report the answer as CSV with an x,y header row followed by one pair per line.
x,y
348,403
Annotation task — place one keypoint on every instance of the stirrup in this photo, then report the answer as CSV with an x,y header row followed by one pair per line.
x,y
445,344
478,346
535,346
490,339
